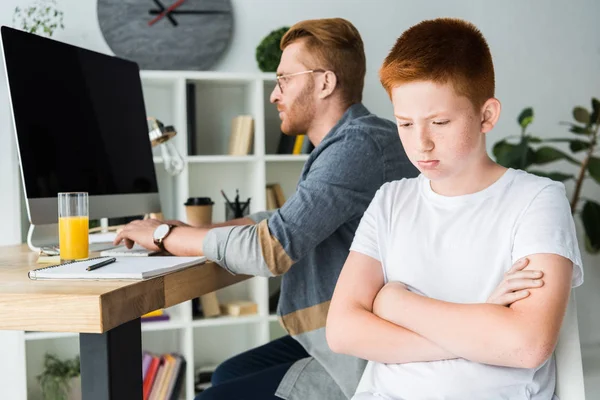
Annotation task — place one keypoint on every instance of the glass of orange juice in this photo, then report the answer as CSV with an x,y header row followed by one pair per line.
x,y
73,225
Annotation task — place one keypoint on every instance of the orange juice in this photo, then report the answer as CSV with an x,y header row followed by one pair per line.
x,y
74,240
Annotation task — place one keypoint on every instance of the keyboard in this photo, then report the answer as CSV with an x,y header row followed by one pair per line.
x,y
123,251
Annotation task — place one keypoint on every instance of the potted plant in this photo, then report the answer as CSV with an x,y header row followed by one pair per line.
x,y
60,379
268,52
522,155
42,18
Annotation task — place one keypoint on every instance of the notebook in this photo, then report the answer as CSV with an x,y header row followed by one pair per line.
x,y
124,268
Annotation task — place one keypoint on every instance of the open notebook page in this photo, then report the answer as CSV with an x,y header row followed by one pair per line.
x,y
136,268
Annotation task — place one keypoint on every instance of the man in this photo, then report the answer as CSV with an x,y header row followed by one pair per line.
x,y
318,92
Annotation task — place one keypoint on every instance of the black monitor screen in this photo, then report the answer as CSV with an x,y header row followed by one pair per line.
x,y
80,119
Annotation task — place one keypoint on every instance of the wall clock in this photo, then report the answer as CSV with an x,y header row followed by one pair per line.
x,y
167,34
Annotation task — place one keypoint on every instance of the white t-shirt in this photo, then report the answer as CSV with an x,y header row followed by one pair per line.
x,y
457,249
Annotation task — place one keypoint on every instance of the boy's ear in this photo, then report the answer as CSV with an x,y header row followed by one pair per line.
x,y
327,85
490,112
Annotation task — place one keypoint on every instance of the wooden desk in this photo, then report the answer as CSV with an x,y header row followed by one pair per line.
x,y
106,314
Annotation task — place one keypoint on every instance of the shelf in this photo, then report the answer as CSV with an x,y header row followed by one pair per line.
x,y
48,335
273,318
220,321
221,159
152,326
286,157
146,327
206,76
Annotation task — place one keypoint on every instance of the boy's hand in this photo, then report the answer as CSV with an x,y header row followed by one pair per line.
x,y
515,284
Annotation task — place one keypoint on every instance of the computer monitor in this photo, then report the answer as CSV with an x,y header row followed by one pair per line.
x,y
81,126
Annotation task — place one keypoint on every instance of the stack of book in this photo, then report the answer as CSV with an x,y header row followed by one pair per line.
x,y
162,376
157,315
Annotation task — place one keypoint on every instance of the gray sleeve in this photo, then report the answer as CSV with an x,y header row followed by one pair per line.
x,y
259,216
237,249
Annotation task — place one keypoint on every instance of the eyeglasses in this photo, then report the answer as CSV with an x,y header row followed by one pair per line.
x,y
282,79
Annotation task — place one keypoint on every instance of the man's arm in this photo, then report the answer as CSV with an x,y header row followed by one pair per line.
x,y
523,335
353,329
183,241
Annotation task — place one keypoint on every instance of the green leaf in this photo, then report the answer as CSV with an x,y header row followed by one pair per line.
x,y
594,168
574,144
579,145
555,176
580,130
526,117
518,156
533,139
581,115
590,216
545,155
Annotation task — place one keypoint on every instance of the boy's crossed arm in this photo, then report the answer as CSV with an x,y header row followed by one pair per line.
x,y
523,335
391,325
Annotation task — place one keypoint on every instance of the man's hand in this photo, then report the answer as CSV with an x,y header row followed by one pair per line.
x,y
140,232
515,284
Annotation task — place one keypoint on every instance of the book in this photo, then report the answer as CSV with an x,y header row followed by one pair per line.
x,y
174,393
169,366
176,372
240,138
271,198
146,360
154,313
286,144
150,375
158,380
238,308
124,268
279,196
164,317
298,144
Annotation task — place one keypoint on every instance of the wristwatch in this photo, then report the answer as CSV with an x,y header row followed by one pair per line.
x,y
160,234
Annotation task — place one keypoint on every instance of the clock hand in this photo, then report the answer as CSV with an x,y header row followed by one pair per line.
x,y
188,12
161,8
161,15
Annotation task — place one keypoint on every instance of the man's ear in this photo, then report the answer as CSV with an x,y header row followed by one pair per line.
x,y
327,84
490,113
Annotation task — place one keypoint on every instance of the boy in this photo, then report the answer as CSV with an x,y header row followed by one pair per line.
x,y
429,251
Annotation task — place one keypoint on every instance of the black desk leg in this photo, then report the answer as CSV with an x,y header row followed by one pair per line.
x,y
111,363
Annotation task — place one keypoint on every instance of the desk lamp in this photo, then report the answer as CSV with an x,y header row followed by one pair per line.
x,y
160,135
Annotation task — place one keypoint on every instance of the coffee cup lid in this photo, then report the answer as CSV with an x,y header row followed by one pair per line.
x,y
198,201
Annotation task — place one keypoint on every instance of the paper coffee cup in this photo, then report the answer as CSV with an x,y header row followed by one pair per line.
x,y
199,211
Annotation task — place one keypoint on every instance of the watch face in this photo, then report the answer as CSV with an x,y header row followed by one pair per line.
x,y
161,231
167,34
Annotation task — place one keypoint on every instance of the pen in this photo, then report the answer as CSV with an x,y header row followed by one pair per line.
x,y
101,264
228,202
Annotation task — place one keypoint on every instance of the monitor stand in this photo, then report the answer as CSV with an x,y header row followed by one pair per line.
x,y
52,240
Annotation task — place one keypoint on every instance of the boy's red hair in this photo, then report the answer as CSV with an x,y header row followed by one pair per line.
x,y
443,50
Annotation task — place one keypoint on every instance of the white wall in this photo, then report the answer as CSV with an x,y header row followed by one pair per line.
x,y
546,54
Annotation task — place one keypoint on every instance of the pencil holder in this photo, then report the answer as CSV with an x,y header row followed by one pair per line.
x,y
232,213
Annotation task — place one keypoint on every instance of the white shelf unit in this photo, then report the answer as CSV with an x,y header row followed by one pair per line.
x,y
219,98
